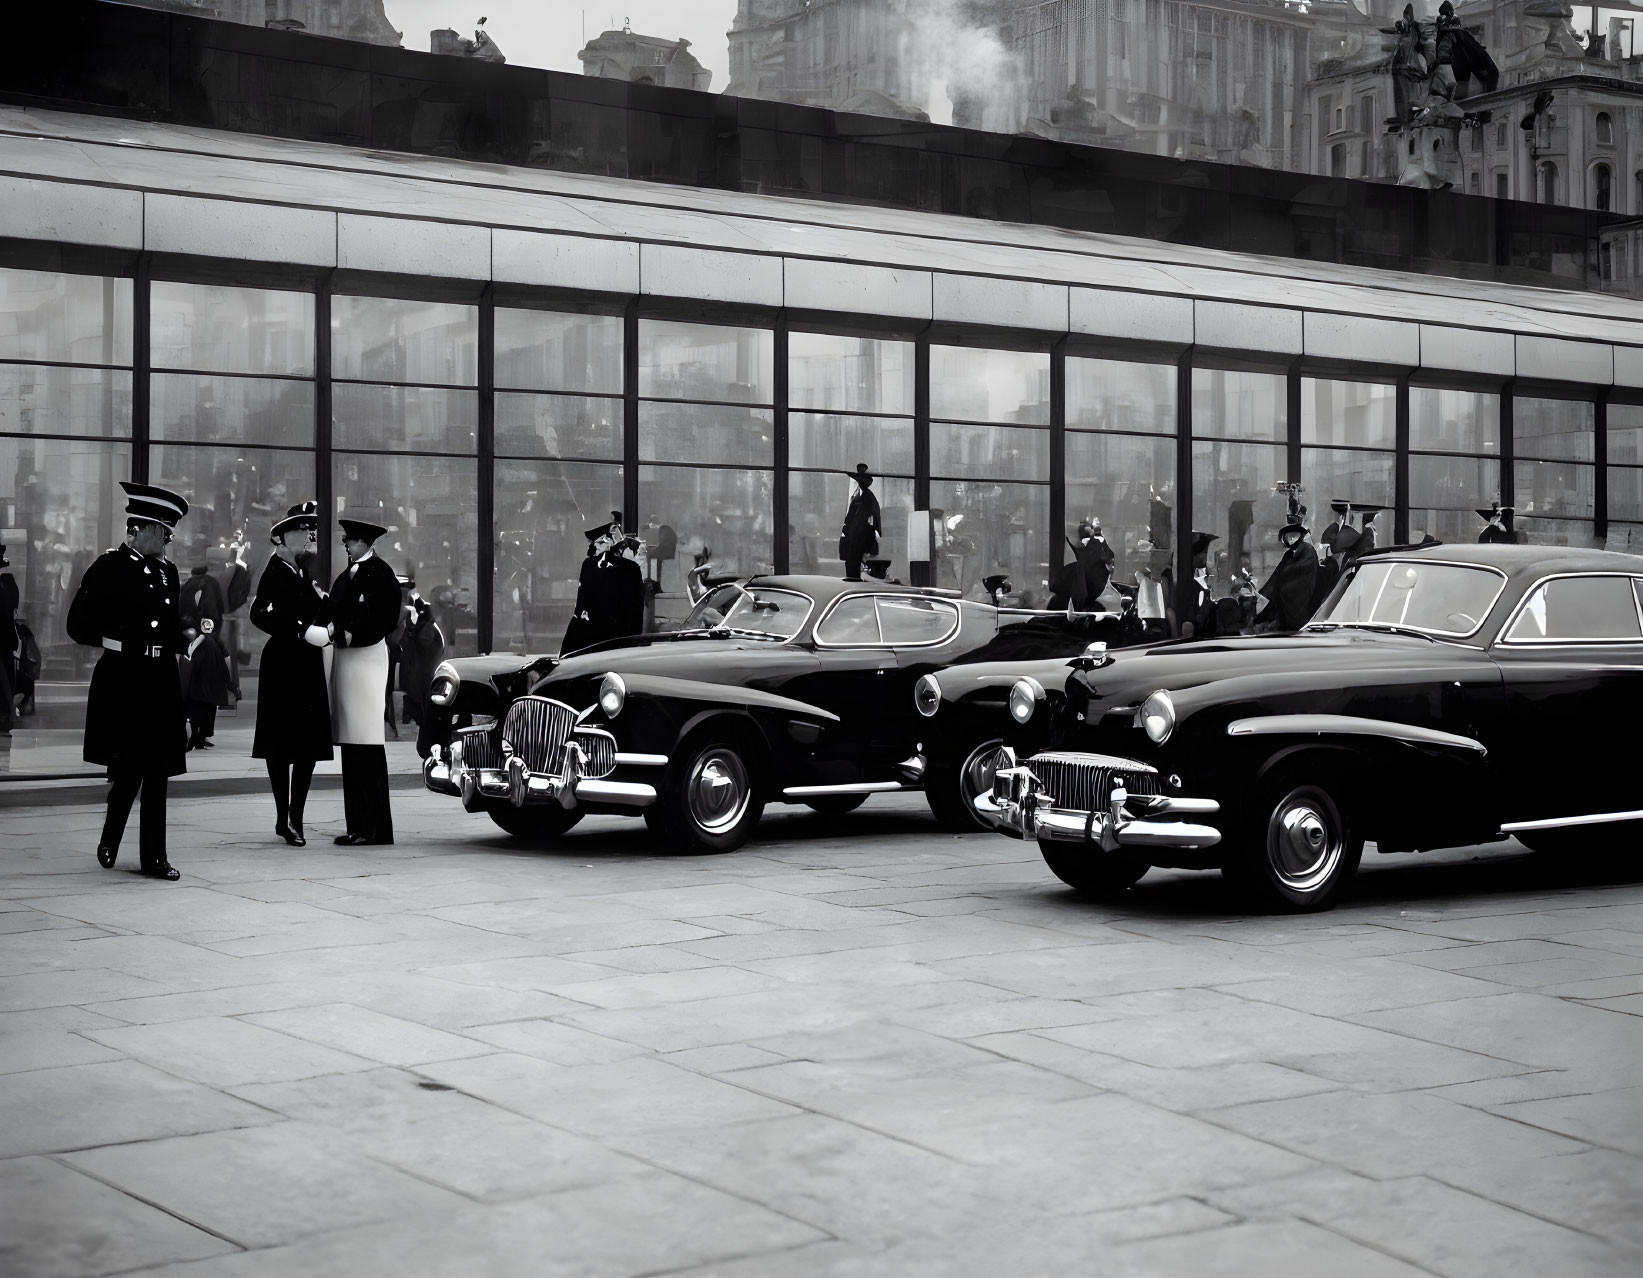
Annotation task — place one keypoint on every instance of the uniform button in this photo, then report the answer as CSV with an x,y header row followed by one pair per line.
x,y
153,625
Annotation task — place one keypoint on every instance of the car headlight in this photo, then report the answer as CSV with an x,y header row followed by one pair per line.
x,y
1025,694
1157,716
927,695
442,687
613,695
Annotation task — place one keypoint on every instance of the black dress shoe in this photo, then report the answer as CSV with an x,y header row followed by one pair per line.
x,y
350,840
288,834
106,855
294,837
164,870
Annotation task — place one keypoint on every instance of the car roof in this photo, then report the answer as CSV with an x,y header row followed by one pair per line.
x,y
1520,561
822,589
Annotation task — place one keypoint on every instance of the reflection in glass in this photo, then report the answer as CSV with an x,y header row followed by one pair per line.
x,y
1457,421
427,504
1233,497
49,400
988,528
1348,474
1453,483
724,515
557,426
1554,429
249,410
1128,483
1564,489
541,509
837,442
1457,527
1626,493
1625,432
405,417
74,319
558,351
1230,404
60,506
389,339
975,385
719,433
706,361
234,494
981,452
849,374
220,329
1361,414
817,503
1534,531
1109,394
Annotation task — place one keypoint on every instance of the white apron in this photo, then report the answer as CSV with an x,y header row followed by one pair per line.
x,y
359,694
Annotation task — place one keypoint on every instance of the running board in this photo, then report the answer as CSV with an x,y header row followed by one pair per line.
x,y
855,787
1558,823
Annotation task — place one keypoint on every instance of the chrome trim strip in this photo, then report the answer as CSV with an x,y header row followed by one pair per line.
x,y
854,787
627,794
625,758
1558,823
1349,725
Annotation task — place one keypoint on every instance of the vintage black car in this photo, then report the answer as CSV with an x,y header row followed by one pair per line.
x,y
1440,697
774,689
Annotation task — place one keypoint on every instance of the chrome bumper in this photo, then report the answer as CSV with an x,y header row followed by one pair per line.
x,y
1019,806
448,774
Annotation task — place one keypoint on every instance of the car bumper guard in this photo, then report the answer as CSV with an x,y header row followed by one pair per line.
x,y
444,772
1019,806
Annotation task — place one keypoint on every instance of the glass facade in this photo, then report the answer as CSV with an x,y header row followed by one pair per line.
x,y
486,438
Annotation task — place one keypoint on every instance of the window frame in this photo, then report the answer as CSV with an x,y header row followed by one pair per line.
x,y
883,644
1502,639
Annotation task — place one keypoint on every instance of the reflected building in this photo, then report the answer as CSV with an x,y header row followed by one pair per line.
x,y
642,59
705,319
364,20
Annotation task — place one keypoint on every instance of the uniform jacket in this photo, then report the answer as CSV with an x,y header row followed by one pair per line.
x,y
420,652
207,670
293,702
365,603
1288,591
134,711
612,594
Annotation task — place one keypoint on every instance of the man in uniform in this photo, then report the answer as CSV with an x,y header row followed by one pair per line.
x,y
859,538
127,606
364,609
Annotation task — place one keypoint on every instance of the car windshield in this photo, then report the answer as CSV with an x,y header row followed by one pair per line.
x,y
750,610
1432,598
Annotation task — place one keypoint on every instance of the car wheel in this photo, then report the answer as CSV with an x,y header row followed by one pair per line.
x,y
1301,847
709,804
836,804
534,824
1096,873
951,789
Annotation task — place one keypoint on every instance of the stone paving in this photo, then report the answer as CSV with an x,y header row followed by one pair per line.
x,y
859,1047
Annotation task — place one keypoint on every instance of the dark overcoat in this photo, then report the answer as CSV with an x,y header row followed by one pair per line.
x,y
1288,591
859,538
612,593
134,707
293,702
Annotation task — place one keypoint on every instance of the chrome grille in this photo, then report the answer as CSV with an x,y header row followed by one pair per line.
x,y
1083,782
599,747
479,748
537,729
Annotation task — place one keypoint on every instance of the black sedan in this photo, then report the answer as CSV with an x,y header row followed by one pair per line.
x,y
775,689
1440,697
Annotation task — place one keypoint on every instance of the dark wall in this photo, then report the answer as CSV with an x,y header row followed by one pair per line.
x,y
87,55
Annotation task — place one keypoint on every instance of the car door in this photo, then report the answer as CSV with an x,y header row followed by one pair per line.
x,y
852,679
1571,661
923,635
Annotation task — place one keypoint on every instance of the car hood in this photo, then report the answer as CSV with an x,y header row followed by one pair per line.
x,y
1319,659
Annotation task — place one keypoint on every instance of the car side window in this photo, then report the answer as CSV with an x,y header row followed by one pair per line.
x,y
852,621
906,621
1578,609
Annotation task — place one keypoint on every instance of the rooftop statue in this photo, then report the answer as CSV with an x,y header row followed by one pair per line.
x,y
1432,65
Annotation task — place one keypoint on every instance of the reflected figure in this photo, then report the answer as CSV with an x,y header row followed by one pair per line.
x,y
859,538
610,595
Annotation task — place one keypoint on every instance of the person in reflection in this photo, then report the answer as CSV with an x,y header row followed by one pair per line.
x,y
364,608
421,649
293,703
1196,609
1288,591
9,600
1154,590
127,606
207,683
1497,525
859,538
610,596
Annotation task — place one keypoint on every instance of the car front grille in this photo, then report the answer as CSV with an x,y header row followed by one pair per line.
x,y
479,749
599,748
1083,782
537,729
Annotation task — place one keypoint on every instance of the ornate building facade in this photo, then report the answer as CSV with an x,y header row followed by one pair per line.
x,y
364,20
642,59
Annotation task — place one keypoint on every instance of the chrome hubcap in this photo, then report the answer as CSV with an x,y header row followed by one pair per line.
x,y
1305,841
976,776
717,791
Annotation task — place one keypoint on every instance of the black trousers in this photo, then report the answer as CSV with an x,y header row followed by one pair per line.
x,y
852,567
151,833
365,792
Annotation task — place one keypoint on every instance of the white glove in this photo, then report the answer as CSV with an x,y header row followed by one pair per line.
x,y
316,635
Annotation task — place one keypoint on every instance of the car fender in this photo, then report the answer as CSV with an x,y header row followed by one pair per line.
x,y
722,696
1343,725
